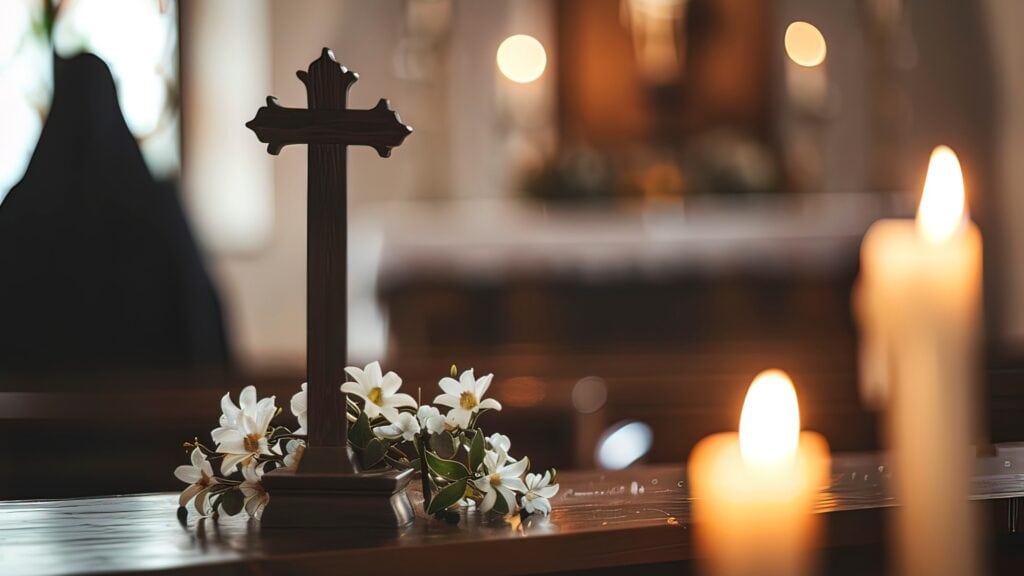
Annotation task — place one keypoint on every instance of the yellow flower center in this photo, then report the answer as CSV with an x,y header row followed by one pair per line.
x,y
495,479
375,395
468,401
252,443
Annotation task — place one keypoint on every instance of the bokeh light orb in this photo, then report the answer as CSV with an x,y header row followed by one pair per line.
x,y
805,44
521,58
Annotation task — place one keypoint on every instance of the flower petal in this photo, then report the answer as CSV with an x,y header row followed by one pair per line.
x,y
189,493
515,470
391,431
229,409
200,503
265,411
461,417
514,484
489,404
467,381
359,376
537,505
354,388
450,386
230,462
449,400
483,384
187,475
247,399
547,491
197,458
399,400
373,374
234,445
510,498
371,410
488,502
390,383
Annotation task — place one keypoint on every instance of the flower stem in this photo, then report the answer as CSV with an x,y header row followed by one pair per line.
x,y
424,470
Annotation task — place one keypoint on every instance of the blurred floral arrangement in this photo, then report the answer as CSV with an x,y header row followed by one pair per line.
x,y
457,463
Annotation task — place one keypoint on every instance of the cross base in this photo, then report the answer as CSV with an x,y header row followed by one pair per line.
x,y
311,497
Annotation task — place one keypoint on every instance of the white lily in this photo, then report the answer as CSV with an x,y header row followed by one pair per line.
x,y
502,442
299,409
430,418
379,392
406,427
199,476
231,415
501,479
256,498
293,451
465,397
539,491
245,435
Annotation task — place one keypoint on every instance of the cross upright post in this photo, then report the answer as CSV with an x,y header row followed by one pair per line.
x,y
326,490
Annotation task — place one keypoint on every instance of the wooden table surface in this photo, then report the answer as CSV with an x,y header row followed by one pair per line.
x,y
633,517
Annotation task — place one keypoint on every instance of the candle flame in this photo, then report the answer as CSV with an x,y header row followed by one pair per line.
x,y
943,209
770,420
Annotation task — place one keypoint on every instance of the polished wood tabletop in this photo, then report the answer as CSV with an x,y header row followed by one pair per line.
x,y
601,520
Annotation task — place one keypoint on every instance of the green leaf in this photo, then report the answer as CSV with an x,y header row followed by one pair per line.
x,y
447,496
232,502
374,453
443,444
449,469
359,435
396,464
476,451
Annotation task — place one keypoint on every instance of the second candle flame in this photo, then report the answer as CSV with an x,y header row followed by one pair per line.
x,y
942,211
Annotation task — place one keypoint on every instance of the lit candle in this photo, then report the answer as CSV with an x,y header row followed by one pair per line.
x,y
753,492
919,306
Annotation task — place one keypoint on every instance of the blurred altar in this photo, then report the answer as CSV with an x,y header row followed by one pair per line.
x,y
624,209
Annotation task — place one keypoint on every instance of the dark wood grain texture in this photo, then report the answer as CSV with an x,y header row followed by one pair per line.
x,y
326,482
328,127
635,519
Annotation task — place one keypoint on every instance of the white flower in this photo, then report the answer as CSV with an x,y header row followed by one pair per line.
x,y
299,409
406,427
199,476
539,490
293,452
256,498
465,397
501,479
500,441
431,419
379,392
243,432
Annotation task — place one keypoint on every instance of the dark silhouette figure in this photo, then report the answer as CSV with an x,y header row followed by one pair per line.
x,y
98,268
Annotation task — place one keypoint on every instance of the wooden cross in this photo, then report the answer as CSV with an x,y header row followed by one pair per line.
x,y
328,127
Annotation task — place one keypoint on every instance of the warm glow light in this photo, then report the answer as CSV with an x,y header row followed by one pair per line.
x,y
805,44
942,210
770,421
521,58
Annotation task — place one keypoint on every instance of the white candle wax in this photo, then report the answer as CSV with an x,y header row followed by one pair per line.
x,y
919,304
754,491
